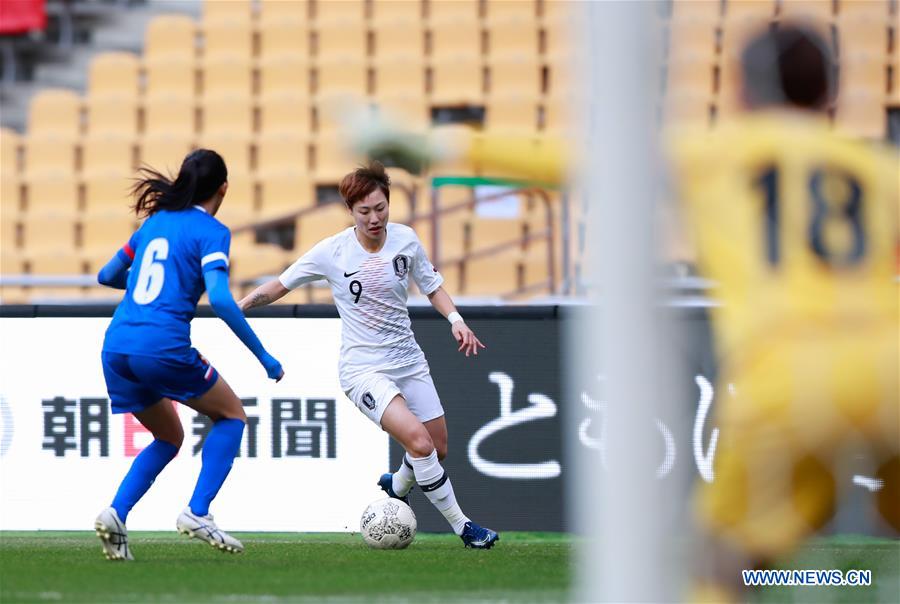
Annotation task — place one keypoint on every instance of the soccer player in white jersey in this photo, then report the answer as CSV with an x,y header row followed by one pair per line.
x,y
382,369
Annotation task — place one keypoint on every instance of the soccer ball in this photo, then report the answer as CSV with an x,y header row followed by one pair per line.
x,y
388,524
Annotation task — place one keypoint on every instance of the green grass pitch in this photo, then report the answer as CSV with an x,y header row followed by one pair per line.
x,y
283,568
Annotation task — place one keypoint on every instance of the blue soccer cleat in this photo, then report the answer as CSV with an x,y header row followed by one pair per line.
x,y
478,537
386,482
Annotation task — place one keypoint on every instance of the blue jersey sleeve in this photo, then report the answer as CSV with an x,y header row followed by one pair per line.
x,y
215,244
115,273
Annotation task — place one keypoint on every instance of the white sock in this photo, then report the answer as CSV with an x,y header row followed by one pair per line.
x,y
404,478
434,483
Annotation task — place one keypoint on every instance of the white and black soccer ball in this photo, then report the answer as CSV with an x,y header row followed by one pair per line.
x,y
388,524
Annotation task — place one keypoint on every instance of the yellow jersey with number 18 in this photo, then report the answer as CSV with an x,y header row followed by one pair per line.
x,y
797,224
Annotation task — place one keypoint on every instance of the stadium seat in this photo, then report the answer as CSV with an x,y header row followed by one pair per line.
x,y
863,71
48,232
234,147
238,10
558,114
274,10
457,79
323,222
400,75
348,11
442,9
449,37
330,161
108,193
559,38
56,264
512,113
261,260
397,9
55,111
763,9
170,114
518,74
536,269
452,274
861,113
224,74
231,37
562,81
516,35
285,75
821,10
239,206
106,231
452,234
10,195
285,114
696,9
870,8
106,153
494,275
692,36
337,38
410,109
283,37
112,115
398,37
170,36
485,233
861,33
340,75
285,192
114,74
165,152
52,193
689,73
10,151
511,8
170,75
687,107
49,153
279,152
231,114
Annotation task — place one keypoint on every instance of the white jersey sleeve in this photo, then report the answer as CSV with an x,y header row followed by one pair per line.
x,y
426,276
311,266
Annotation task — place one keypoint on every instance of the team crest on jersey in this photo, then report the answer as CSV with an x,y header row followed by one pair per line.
x,y
401,265
369,401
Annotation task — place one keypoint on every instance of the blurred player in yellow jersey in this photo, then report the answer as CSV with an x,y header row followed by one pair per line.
x,y
799,226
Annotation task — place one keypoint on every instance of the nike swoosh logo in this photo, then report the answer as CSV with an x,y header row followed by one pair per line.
x,y
350,274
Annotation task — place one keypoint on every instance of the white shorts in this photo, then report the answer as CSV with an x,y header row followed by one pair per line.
x,y
372,392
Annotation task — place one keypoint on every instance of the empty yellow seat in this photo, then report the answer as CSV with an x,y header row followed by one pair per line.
x,y
227,114
165,152
397,9
764,9
410,109
348,11
115,74
330,160
398,37
218,10
516,74
861,113
235,148
52,193
112,115
108,153
10,151
106,231
170,75
284,114
273,10
284,37
702,9
282,153
340,39
284,75
861,33
323,222
513,35
442,9
689,72
285,192
55,264
512,8
516,112
49,153
170,36
170,114
55,111
10,195
400,75
109,193
227,74
457,79
809,9
692,36
228,38
239,206
48,232
869,8
341,75
455,35
496,275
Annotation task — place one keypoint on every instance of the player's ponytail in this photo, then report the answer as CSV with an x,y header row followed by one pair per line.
x,y
202,173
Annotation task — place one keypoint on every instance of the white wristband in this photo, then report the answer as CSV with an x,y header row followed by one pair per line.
x,y
454,317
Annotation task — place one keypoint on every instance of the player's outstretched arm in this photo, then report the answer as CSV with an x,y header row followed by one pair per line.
x,y
224,306
264,294
115,272
466,338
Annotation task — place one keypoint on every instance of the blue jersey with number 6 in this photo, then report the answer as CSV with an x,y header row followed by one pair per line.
x,y
170,253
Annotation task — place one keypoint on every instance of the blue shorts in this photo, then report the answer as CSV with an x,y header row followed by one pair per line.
x,y
135,382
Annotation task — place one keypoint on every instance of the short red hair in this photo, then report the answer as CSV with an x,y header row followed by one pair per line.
x,y
362,181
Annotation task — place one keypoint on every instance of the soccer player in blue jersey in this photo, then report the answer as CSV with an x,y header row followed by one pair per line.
x,y
148,361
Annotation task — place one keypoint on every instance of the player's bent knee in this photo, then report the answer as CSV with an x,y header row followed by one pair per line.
x,y
441,451
420,445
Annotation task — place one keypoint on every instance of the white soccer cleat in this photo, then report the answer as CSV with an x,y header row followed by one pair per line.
x,y
205,529
113,535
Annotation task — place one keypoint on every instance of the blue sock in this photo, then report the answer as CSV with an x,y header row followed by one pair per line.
x,y
219,450
144,470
